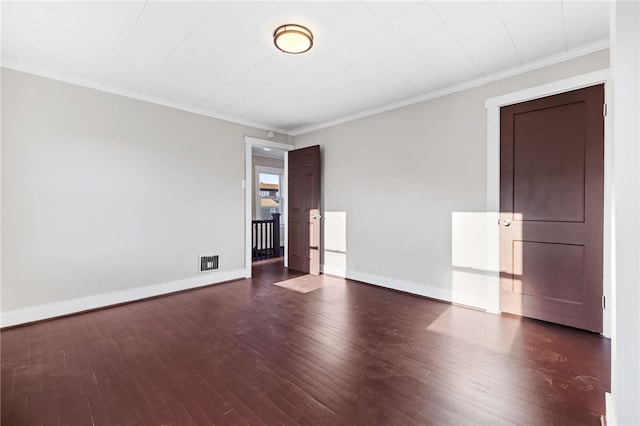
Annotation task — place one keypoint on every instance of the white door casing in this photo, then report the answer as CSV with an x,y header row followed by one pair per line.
x,y
493,180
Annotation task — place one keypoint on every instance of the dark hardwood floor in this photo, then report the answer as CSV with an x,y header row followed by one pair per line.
x,y
250,353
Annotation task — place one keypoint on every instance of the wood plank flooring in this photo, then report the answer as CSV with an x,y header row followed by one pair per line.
x,y
251,353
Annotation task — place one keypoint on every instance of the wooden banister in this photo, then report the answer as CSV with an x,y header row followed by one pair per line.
x,y
266,237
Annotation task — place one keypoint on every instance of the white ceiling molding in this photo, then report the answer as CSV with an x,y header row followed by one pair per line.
x,y
561,57
141,97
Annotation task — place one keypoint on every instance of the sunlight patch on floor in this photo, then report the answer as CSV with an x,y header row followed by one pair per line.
x,y
308,283
494,332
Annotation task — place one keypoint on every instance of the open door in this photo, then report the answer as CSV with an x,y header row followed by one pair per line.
x,y
304,209
551,208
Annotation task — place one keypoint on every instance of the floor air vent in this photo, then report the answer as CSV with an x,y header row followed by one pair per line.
x,y
208,263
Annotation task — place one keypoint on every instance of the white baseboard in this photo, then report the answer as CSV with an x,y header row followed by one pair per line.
x,y
51,310
332,270
610,412
439,293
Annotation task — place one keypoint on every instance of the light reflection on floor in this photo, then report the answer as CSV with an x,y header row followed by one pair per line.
x,y
497,335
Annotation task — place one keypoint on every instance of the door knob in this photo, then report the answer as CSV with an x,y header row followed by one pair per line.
x,y
506,222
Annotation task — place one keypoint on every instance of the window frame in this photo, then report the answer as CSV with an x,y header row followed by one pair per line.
x,y
273,171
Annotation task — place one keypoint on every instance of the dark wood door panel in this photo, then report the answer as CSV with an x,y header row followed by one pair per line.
x,y
547,231
304,196
547,266
310,196
294,232
548,176
551,208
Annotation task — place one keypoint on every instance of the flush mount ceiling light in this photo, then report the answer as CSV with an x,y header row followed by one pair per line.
x,y
292,38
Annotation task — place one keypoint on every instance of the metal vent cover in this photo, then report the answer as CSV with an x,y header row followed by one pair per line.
x,y
208,263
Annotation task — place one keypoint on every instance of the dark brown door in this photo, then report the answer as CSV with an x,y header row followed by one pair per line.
x,y
304,206
551,208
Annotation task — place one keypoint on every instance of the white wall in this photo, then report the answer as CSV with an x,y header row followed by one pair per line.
x,y
105,194
401,176
107,198
625,360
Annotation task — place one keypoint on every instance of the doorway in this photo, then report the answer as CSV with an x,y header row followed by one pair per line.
x,y
551,208
493,106
274,154
267,230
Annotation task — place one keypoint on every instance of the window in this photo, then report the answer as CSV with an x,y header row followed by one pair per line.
x,y
269,192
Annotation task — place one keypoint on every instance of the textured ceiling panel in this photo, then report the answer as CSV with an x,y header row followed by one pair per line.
x,y
218,57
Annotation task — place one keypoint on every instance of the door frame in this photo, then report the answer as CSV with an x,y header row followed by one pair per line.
x,y
247,184
493,106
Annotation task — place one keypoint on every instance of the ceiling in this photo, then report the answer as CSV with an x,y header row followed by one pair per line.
x,y
268,152
218,58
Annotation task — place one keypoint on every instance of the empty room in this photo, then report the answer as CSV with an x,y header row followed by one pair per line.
x,y
320,212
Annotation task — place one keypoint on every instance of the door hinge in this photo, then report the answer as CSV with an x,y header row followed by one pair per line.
x,y
604,303
604,110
